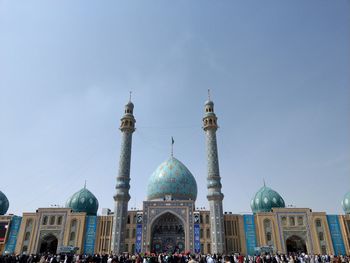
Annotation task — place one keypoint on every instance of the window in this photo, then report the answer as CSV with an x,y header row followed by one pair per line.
x,y
72,236
291,221
73,225
268,236
201,233
318,223
300,221
267,223
127,233
27,235
52,220
29,223
201,219
323,250
202,248
45,220
320,236
208,233
133,248
207,221
126,247
59,220
128,222
134,233
284,220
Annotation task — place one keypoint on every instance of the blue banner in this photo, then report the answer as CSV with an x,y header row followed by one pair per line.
x,y
12,240
138,244
197,241
90,234
337,238
250,234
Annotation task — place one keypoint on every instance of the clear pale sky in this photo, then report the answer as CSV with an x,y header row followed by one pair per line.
x,y
278,73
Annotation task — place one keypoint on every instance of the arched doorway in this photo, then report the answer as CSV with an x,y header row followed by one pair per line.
x,y
168,234
48,244
296,244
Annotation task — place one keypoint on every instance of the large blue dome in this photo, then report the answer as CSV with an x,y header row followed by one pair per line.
x,y
172,178
266,199
4,203
83,201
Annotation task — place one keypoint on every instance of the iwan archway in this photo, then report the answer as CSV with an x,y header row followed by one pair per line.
x,y
168,234
48,244
296,244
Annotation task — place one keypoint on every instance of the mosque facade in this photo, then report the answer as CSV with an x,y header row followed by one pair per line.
x,y
169,220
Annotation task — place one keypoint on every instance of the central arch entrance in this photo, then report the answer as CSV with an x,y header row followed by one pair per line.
x,y
168,234
48,244
296,244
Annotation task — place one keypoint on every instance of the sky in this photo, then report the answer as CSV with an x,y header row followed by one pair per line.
x,y
278,72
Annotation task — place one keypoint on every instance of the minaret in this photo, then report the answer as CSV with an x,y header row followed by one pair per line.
x,y
122,196
214,196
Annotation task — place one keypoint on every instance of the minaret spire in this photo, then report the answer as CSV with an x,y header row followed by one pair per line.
x,y
122,196
172,146
214,196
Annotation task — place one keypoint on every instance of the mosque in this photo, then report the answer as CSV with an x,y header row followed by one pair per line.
x,y
169,221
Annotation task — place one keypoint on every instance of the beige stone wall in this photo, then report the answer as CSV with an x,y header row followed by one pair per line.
x,y
28,239
234,234
104,234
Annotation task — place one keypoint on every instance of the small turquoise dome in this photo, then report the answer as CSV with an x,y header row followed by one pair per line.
x,y
345,203
83,201
172,178
4,203
266,199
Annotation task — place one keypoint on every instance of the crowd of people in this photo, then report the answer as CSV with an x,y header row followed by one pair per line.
x,y
174,258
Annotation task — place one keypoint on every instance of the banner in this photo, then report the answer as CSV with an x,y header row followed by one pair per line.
x,y
90,234
337,238
138,244
12,237
197,241
250,234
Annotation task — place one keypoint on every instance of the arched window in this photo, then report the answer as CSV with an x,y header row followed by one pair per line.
x,y
127,233
208,248
59,220
45,220
128,222
201,219
29,223
320,236
318,222
134,233
207,221
133,248
210,121
73,225
267,223
268,236
201,233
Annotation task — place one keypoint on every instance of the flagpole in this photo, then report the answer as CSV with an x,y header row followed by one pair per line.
x,y
172,146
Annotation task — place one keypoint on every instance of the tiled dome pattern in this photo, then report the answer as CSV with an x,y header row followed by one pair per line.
x,y
83,201
266,199
345,203
4,203
172,178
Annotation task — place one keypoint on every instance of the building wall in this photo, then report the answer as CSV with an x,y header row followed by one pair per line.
x,y
68,227
4,220
234,233
345,229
